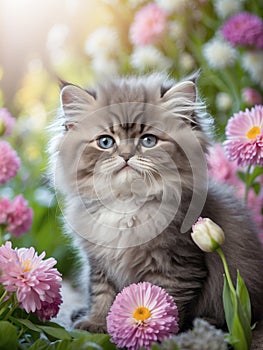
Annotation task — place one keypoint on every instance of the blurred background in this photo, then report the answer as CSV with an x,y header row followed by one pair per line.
x,y
82,41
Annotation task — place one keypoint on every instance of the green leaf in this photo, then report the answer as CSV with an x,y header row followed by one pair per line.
x,y
56,332
27,323
256,187
8,338
238,334
228,305
258,170
244,298
242,176
42,344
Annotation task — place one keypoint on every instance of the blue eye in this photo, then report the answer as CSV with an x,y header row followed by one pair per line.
x,y
148,140
106,142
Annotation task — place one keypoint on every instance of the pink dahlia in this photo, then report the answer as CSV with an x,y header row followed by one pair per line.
x,y
9,162
35,281
244,29
7,122
148,26
244,133
220,169
20,216
140,315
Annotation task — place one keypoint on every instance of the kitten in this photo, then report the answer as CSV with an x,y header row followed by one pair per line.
x,y
129,158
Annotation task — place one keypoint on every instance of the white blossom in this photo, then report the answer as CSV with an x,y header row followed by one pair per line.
x,y
104,41
219,54
225,8
103,66
173,5
149,57
223,101
252,62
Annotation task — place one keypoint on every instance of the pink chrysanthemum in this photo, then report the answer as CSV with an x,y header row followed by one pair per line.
x,y
9,162
140,315
34,280
244,133
20,217
244,29
220,169
148,26
7,122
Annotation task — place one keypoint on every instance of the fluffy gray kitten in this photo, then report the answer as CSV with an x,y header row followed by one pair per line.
x,y
129,157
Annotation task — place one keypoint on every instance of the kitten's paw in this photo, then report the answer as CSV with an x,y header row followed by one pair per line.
x,y
92,327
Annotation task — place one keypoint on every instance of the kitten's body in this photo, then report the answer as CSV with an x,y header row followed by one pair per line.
x,y
133,205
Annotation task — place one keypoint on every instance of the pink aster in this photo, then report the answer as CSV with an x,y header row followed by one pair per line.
x,y
9,162
20,217
7,122
140,315
244,29
244,133
220,168
148,26
35,281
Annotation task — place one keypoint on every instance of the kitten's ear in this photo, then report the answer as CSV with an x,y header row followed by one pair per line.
x,y
74,100
185,89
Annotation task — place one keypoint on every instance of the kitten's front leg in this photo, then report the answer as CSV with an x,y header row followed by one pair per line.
x,y
101,299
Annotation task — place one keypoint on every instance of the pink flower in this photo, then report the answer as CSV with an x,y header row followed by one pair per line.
x,y
140,315
9,162
244,29
34,280
5,208
251,96
20,217
7,122
148,26
244,133
220,168
49,310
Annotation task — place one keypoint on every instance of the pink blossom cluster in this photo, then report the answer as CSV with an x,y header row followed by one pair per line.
x,y
149,25
16,217
245,29
9,162
7,122
35,282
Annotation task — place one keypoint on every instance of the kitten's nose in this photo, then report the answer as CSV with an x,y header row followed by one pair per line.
x,y
126,156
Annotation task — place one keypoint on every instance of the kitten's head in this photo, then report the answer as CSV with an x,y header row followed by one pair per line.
x,y
130,139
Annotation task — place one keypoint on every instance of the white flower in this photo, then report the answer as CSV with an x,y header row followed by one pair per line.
x,y
223,101
225,8
148,57
219,54
253,63
173,5
187,62
104,41
207,235
103,66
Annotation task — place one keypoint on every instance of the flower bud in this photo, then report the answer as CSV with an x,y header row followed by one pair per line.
x,y
207,235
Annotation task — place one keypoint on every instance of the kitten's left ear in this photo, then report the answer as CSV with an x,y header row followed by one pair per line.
x,y
74,101
185,90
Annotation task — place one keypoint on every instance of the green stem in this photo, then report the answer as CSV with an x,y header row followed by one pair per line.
x,y
228,277
247,182
3,296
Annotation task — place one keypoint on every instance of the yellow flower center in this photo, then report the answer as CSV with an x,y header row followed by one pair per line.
x,y
27,265
141,313
253,132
